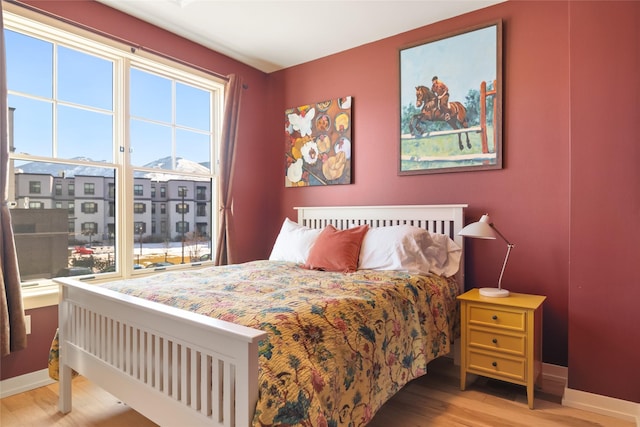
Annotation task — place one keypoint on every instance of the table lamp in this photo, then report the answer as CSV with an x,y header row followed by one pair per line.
x,y
484,229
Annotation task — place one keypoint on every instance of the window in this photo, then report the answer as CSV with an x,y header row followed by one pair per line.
x,y
36,205
201,193
182,208
89,188
201,209
89,228
108,118
182,227
58,205
182,191
34,187
89,207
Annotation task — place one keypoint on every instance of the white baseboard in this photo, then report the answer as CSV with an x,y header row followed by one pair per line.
x,y
555,372
609,406
25,382
617,408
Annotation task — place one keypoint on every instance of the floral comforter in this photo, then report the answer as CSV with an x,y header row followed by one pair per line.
x,y
339,345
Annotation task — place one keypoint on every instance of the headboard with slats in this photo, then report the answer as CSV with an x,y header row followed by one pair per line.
x,y
443,219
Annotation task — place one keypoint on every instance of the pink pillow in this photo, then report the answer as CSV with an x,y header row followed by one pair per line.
x,y
337,250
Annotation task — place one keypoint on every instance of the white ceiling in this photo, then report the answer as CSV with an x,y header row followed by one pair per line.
x,y
271,35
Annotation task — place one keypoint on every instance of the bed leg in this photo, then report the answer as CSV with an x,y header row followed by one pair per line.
x,y
64,392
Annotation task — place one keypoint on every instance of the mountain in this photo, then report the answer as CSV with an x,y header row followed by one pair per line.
x,y
68,170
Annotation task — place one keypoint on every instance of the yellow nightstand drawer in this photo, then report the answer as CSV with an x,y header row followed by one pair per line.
x,y
497,366
514,344
485,315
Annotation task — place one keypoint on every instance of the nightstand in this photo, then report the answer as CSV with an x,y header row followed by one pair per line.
x,y
502,338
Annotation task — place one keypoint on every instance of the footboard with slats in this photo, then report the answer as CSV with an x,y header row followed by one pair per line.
x,y
175,367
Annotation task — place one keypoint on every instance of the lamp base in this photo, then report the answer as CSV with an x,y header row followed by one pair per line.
x,y
494,292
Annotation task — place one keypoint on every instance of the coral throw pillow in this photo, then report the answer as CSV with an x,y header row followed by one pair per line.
x,y
337,250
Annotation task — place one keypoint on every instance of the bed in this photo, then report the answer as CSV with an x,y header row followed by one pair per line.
x,y
241,367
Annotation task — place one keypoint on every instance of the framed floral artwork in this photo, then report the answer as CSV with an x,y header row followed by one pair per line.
x,y
318,143
451,103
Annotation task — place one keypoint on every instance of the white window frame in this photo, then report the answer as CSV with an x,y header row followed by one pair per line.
x,y
31,23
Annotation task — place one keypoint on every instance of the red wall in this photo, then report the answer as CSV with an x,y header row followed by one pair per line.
x,y
568,193
44,322
604,344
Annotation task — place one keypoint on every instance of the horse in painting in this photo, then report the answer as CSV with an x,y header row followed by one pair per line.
x,y
427,101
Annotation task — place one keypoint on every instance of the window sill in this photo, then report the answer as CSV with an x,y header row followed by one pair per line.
x,y
40,296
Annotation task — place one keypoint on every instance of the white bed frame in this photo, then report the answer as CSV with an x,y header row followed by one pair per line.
x,y
182,368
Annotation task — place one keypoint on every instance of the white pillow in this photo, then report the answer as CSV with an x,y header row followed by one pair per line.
x,y
398,247
293,242
444,255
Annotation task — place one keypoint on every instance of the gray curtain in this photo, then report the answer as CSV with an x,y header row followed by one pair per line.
x,y
233,95
13,334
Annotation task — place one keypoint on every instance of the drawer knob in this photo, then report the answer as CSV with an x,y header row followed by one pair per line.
x,y
495,340
494,364
494,317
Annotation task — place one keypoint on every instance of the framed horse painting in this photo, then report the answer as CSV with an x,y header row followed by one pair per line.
x,y
451,103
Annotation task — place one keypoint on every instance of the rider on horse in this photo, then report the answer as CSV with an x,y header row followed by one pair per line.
x,y
442,92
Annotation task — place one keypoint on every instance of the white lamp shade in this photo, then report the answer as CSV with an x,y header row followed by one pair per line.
x,y
480,230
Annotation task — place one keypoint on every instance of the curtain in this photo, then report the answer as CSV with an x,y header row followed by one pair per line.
x,y
13,336
224,252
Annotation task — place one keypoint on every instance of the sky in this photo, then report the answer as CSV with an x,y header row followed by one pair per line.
x,y
85,119
462,62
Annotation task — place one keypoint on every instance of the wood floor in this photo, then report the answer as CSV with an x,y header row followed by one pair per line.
x,y
433,400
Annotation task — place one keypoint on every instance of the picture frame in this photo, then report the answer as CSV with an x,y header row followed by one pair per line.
x,y
451,103
318,143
